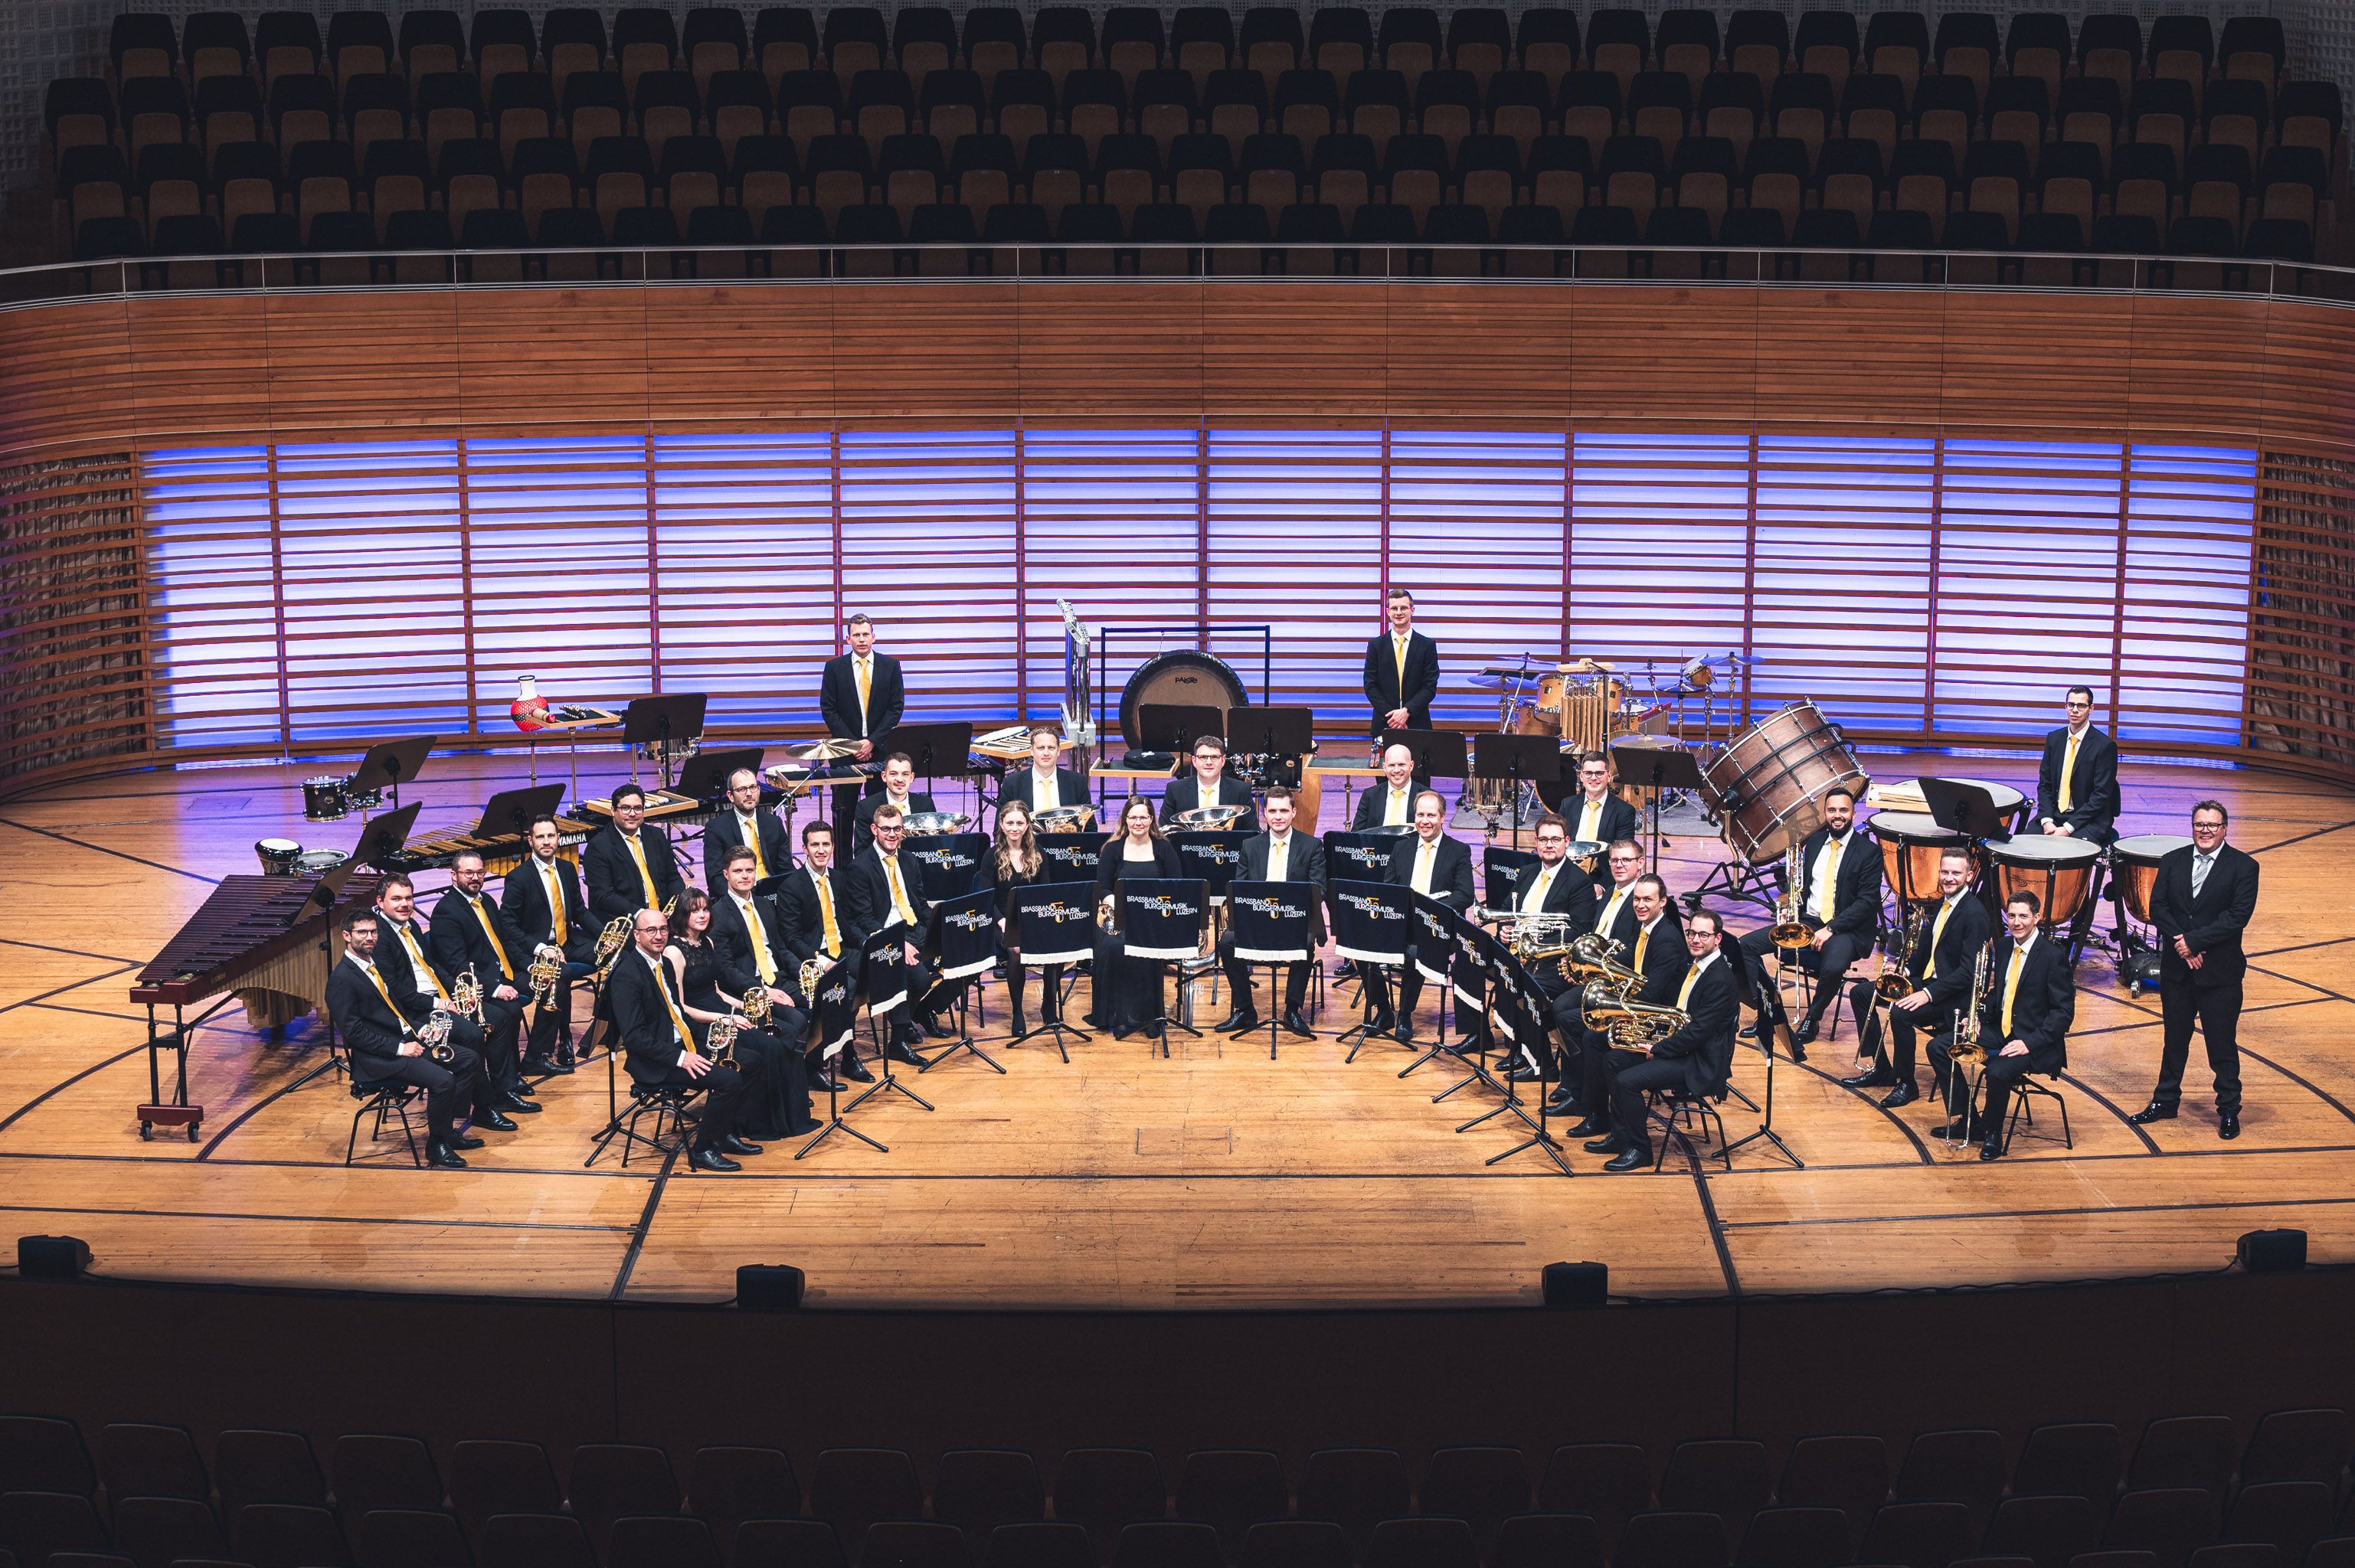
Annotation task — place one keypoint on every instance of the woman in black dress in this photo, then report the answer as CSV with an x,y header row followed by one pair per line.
x,y
779,1105
1012,864
1128,991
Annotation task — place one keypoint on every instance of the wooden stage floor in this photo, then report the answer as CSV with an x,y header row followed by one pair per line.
x,y
1214,1178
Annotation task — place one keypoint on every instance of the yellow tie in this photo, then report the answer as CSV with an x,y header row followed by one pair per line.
x,y
1398,653
1610,915
1277,854
678,1019
1043,793
381,991
645,873
864,686
1535,898
1590,820
1643,940
555,905
507,970
410,937
1684,992
2068,768
1823,905
2011,987
752,832
1394,813
1937,930
826,916
763,961
898,890
1423,855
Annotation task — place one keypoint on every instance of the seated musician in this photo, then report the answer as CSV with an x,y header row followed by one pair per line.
x,y
1553,886
543,900
1206,785
1840,904
663,1047
1128,992
627,864
378,1014
715,987
1046,784
469,932
746,825
810,910
1435,864
2077,792
899,791
405,947
1597,814
884,890
750,935
1697,1058
1391,805
1952,932
2031,999
1657,951
1279,854
1615,916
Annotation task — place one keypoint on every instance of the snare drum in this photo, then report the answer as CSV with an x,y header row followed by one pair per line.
x,y
278,856
2057,869
318,863
1910,843
325,798
2135,862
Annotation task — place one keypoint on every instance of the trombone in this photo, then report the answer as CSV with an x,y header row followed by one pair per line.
x,y
1966,1049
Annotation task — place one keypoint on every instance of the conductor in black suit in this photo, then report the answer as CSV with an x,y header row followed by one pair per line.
x,y
860,697
1429,863
379,1014
2031,999
628,863
1697,1058
1208,785
1951,932
1401,669
1279,854
746,824
1046,784
2201,904
1840,904
541,899
665,1047
1390,803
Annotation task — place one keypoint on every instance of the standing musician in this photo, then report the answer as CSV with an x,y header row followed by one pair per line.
x,y
750,937
666,1047
1655,950
1392,806
812,910
2024,1023
1952,933
1279,854
748,825
2201,904
1046,783
406,949
884,890
1599,815
469,930
1697,1058
1840,904
379,1014
860,697
899,791
2077,792
1208,785
628,863
541,899
1401,669
1435,864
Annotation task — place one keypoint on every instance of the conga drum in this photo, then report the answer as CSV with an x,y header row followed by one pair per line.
x,y
2057,869
1910,843
1767,786
2135,863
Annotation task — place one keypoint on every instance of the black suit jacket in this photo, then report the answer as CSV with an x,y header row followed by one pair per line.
x,y
1855,890
2093,788
735,942
648,1036
612,877
1375,802
1705,1044
370,1032
2042,1012
2212,923
862,817
524,901
459,939
1666,957
837,700
1451,870
869,897
1422,684
1618,822
1185,795
1570,895
1957,951
1071,787
724,832
393,958
802,921
1303,861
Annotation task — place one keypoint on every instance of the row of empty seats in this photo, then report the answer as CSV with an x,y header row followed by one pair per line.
x,y
2192,1495
1423,114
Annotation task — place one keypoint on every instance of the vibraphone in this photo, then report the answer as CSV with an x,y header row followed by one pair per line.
x,y
501,853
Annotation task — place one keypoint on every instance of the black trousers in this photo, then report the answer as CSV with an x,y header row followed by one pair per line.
x,y
2217,1009
1050,1004
1906,1029
1239,978
502,1028
1629,1075
1827,963
724,1092
446,1088
552,1024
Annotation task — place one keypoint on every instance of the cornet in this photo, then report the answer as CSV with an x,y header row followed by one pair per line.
x,y
756,1005
1789,931
435,1035
547,973
610,941
466,995
719,1043
813,971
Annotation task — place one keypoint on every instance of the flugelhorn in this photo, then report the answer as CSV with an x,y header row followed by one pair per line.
x,y
1789,931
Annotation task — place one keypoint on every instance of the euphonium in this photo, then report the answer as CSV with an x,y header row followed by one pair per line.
x,y
719,1043
546,972
1631,1024
1965,1051
610,941
1896,977
1789,930
1595,956
756,1005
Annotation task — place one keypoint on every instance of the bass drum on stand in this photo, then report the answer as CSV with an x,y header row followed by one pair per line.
x,y
1767,786
1183,677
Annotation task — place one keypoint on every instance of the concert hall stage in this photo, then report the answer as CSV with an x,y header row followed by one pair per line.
x,y
1217,1178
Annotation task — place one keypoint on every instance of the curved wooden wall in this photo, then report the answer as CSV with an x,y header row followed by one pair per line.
x,y
89,388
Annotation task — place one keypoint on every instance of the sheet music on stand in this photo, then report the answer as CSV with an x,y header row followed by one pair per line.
x,y
968,933
1055,922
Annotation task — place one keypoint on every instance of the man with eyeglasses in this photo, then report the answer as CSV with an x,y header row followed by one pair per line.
x,y
2200,904
2077,792
1697,1059
1206,785
746,825
628,863
885,890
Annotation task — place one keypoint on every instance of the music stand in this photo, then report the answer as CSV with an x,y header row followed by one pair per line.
x,y
1965,809
1438,753
1656,768
1481,957
388,762
886,976
930,745
1766,1128
1369,926
1054,923
1442,929
1515,759
1288,732
1174,727
967,928
1161,919
705,774
833,1019
659,722
383,837
1269,923
511,811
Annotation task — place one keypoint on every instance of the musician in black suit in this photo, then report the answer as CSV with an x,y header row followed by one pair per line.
x,y
379,1014
1392,802
541,899
1278,854
898,790
1652,943
1429,863
2201,904
628,864
1840,904
469,930
745,823
1553,886
1401,669
860,697
750,934
1046,783
1615,913
814,913
1598,814
1949,934
405,948
2077,782
1206,785
1697,1058
882,889
664,1046
2031,999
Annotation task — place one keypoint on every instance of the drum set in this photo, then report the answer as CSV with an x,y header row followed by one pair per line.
x,y
284,857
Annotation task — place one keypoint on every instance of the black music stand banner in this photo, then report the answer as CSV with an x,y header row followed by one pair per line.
x,y
967,929
1161,917
1431,934
1471,946
1363,857
834,1008
1269,920
885,970
1055,922
949,865
1501,871
1071,857
1215,857
1370,922
1493,962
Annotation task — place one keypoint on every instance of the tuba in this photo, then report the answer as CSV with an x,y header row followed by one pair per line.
x,y
719,1043
1789,931
1896,977
547,973
610,941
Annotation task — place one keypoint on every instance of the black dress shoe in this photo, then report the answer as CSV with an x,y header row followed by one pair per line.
x,y
1523,1073
711,1159
1404,1033
1806,1033
903,1053
1606,1144
1238,1019
1294,1024
1381,1023
825,1083
1748,1032
526,1089
442,1157
460,1140
1561,1102
516,1103
2228,1126
2151,1113
498,1121
856,1070
937,1028
1879,1078
733,1144
1960,1131
1903,1094
538,1068
561,1063
1635,1157
1587,1127
1993,1147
